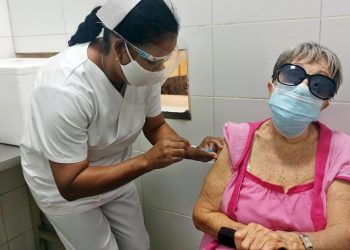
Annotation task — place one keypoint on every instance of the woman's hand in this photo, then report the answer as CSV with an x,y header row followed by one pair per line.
x,y
255,236
207,150
212,144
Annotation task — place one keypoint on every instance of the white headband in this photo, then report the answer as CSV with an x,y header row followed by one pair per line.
x,y
113,11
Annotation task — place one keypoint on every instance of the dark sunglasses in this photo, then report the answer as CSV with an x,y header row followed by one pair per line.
x,y
319,85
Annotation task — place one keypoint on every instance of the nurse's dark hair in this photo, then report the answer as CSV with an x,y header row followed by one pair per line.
x,y
312,52
150,21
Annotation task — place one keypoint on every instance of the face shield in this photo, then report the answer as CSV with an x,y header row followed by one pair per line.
x,y
138,74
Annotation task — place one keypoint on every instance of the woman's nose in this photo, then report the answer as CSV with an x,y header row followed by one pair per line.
x,y
305,82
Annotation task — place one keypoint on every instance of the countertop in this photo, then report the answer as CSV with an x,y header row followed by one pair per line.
x,y
9,156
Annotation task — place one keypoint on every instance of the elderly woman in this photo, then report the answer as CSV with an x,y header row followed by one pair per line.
x,y
283,183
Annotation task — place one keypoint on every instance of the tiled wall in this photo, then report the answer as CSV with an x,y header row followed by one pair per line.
x,y
6,44
15,222
233,45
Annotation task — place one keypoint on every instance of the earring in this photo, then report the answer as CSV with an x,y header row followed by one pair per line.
x,y
117,59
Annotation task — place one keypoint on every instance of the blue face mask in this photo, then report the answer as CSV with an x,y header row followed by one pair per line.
x,y
293,109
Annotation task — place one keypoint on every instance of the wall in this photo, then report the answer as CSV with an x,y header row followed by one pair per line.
x,y
6,45
233,45
15,222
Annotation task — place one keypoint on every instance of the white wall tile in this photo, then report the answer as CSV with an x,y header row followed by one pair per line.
x,y
40,44
76,11
238,110
195,130
335,7
171,231
175,188
15,207
2,229
4,247
335,34
244,54
198,41
5,26
36,17
11,179
337,116
233,11
194,12
24,241
6,47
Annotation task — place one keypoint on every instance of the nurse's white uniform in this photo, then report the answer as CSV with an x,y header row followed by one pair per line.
x,y
77,114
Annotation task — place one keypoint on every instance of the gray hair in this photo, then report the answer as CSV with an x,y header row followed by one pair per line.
x,y
314,52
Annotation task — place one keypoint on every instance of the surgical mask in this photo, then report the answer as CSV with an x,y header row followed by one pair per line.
x,y
293,109
137,76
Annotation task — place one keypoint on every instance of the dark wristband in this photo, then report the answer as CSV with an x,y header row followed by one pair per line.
x,y
226,237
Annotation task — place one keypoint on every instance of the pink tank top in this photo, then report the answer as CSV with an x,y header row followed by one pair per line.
x,y
249,199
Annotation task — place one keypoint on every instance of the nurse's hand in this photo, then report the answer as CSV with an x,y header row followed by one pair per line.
x,y
166,151
207,150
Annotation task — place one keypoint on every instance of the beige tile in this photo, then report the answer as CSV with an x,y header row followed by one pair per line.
x,y
175,188
2,229
197,128
40,44
5,27
4,247
238,110
244,54
194,12
198,42
11,179
7,49
337,116
335,7
238,11
335,34
24,241
171,231
15,207
76,11
28,17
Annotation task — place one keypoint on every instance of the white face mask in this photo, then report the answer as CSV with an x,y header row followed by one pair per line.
x,y
137,76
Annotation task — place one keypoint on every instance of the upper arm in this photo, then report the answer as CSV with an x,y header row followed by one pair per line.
x,y
210,198
153,123
61,120
338,203
65,174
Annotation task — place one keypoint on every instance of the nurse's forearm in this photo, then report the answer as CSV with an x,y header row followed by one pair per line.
x,y
79,180
162,131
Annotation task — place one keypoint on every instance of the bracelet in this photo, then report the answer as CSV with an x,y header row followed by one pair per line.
x,y
306,242
226,237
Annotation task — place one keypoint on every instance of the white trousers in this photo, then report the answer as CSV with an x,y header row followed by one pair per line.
x,y
117,225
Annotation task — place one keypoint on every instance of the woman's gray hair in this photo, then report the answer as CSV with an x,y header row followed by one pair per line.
x,y
313,52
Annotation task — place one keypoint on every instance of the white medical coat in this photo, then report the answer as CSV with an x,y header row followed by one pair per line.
x,y
75,114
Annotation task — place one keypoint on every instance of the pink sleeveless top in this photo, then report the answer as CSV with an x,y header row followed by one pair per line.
x,y
247,198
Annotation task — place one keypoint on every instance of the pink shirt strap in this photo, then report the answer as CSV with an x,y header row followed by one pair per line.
x,y
323,148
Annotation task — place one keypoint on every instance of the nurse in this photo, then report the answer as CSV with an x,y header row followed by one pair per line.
x,y
89,105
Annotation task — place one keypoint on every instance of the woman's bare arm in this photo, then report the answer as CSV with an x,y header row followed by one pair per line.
x,y
207,215
337,233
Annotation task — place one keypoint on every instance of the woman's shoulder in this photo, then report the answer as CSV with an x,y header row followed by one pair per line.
x,y
340,140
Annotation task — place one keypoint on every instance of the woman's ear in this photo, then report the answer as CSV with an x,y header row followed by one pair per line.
x,y
325,105
118,48
270,87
